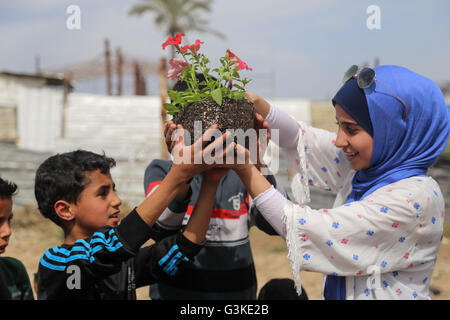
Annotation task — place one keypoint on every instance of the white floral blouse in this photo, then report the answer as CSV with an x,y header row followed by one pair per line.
x,y
386,245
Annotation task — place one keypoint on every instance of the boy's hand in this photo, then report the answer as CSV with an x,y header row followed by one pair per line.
x,y
236,157
190,160
169,128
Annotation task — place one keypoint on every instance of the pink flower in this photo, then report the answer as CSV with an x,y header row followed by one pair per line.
x,y
177,68
241,65
193,47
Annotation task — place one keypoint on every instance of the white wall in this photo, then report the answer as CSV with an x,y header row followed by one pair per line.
x,y
300,109
125,127
39,117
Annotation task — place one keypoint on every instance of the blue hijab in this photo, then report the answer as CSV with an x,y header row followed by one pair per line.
x,y
401,148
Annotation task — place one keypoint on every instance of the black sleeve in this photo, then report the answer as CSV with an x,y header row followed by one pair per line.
x,y
5,294
69,273
165,258
260,222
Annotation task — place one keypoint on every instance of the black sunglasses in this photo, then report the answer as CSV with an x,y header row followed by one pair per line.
x,y
365,77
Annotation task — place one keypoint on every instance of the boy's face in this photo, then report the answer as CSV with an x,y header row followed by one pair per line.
x,y
5,222
98,204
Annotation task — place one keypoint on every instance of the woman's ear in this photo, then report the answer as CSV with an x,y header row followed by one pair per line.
x,y
63,210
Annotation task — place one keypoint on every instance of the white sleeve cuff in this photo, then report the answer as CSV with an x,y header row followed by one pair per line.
x,y
271,203
287,126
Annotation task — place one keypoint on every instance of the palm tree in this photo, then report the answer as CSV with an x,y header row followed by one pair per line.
x,y
179,16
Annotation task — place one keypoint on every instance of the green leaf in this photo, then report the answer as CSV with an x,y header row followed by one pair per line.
x,y
217,96
236,95
246,81
171,109
173,95
239,87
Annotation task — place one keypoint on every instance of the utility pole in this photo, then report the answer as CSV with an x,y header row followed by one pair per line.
x,y
67,80
137,78
108,68
119,66
37,61
163,93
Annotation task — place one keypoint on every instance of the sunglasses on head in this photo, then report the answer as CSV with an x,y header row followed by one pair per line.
x,y
365,77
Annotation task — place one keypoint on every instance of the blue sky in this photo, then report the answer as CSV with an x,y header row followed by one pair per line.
x,y
296,48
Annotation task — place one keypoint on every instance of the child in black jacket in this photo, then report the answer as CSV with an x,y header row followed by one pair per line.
x,y
14,281
100,258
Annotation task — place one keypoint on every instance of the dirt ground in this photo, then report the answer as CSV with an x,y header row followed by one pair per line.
x,y
32,235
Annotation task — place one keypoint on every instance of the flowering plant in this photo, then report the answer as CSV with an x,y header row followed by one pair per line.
x,y
227,84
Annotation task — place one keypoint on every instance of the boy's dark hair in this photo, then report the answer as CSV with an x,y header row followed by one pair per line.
x,y
7,189
63,177
281,289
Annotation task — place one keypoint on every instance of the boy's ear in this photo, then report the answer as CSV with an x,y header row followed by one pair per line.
x,y
62,209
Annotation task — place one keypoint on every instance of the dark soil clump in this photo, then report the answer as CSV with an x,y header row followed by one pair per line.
x,y
233,114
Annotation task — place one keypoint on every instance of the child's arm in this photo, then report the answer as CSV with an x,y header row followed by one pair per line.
x,y
178,176
165,257
171,219
198,223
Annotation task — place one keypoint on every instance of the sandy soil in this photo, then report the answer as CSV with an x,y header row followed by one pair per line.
x,y
32,235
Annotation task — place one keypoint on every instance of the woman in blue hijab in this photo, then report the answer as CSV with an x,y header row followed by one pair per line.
x,y
382,236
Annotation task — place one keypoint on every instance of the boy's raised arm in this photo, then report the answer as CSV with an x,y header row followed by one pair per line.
x,y
198,223
179,175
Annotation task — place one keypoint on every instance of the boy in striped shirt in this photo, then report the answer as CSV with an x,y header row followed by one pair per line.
x,y
100,258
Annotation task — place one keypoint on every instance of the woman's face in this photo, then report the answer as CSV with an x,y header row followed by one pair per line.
x,y
356,143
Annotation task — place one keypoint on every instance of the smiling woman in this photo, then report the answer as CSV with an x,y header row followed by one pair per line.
x,y
355,142
382,236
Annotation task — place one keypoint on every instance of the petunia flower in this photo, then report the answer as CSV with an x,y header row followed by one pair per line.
x,y
241,65
193,47
177,68
173,40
